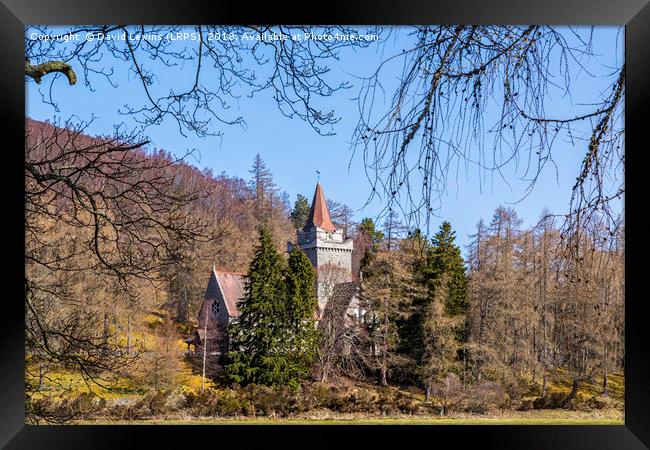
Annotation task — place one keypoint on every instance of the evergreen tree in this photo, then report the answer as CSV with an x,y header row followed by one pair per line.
x,y
275,338
301,304
367,227
259,335
441,323
445,258
300,212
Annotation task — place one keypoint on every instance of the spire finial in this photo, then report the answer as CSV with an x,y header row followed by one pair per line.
x,y
318,176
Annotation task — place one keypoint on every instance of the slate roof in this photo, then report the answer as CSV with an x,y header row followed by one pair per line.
x,y
319,215
231,285
340,301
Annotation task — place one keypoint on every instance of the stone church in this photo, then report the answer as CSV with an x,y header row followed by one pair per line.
x,y
329,251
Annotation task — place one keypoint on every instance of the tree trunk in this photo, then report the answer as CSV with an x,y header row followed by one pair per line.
x,y
383,380
544,386
128,334
105,335
605,385
464,367
574,389
155,378
41,375
427,395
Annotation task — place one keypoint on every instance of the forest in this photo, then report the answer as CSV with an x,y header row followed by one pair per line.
x,y
532,319
525,323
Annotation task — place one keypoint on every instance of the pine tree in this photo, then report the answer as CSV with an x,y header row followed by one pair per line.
x,y
258,336
445,258
300,212
442,325
301,305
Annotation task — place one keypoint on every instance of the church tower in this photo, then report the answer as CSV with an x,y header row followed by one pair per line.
x,y
328,250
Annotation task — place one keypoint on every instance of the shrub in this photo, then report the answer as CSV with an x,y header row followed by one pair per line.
x,y
406,404
156,401
484,396
387,401
175,401
269,401
314,397
212,402
84,405
551,401
362,401
337,399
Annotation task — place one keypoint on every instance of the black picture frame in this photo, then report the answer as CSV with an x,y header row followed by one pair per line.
x,y
634,14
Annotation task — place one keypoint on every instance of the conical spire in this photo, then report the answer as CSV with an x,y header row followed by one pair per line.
x,y
319,215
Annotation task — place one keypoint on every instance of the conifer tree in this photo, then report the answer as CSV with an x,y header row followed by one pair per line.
x,y
264,189
373,238
301,305
442,326
386,291
445,258
300,212
394,230
258,337
367,227
275,338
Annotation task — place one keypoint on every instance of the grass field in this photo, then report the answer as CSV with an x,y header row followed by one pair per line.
x,y
477,421
545,417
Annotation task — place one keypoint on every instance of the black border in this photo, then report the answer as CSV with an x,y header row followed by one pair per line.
x,y
635,14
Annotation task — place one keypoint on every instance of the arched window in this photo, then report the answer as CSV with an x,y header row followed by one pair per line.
x,y
215,307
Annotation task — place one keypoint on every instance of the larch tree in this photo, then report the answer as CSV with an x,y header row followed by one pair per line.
x,y
341,215
393,230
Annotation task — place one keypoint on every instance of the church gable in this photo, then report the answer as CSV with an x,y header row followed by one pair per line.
x,y
220,302
221,296
231,289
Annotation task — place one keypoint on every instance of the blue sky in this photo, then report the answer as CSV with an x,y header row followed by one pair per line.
x,y
293,151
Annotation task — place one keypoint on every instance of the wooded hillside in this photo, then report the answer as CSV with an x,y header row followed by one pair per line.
x,y
120,238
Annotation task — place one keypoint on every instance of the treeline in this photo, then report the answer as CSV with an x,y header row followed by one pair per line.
x,y
544,298
526,304
119,239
